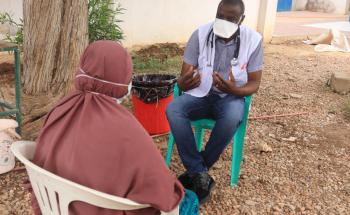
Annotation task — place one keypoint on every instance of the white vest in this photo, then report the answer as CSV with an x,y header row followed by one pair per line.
x,y
250,40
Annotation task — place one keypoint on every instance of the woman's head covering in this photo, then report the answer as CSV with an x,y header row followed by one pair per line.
x,y
103,62
90,139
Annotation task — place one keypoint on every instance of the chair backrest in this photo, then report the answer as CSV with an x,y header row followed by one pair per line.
x,y
54,194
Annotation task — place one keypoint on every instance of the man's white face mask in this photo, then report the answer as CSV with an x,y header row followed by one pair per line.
x,y
120,100
224,29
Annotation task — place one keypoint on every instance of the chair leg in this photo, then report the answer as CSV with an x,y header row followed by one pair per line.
x,y
18,91
199,135
237,154
169,150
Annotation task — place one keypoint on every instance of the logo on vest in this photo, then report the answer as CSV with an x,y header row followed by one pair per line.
x,y
244,67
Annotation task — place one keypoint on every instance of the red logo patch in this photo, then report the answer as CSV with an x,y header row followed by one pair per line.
x,y
244,67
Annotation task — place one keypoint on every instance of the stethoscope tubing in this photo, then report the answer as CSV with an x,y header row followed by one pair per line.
x,y
211,39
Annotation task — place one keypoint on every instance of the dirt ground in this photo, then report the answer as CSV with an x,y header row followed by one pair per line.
x,y
306,167
160,51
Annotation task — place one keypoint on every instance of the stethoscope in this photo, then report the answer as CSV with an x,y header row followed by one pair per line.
x,y
211,39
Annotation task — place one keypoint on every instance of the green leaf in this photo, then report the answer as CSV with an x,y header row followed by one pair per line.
x,y
103,22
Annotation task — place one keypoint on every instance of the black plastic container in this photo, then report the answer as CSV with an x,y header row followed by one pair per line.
x,y
150,88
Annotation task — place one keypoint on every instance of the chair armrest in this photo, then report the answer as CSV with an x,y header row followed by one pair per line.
x,y
176,211
177,91
23,150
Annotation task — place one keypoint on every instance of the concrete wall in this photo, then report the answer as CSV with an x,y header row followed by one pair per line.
x,y
327,6
14,8
267,18
159,21
299,4
340,6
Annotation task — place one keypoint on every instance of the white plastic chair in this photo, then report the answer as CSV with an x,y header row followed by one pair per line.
x,y
51,189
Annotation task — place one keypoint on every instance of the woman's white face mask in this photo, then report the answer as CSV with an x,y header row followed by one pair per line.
x,y
224,29
120,100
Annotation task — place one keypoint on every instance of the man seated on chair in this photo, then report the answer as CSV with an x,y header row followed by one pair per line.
x,y
223,63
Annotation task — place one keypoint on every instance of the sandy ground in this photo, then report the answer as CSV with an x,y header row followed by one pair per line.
x,y
307,169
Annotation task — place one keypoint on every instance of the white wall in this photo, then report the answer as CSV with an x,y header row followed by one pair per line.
x,y
159,21
13,7
340,6
150,21
267,18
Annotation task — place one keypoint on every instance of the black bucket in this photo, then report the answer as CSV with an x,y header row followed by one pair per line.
x,y
151,88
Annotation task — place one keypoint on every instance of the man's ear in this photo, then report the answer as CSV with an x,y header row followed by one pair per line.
x,y
243,17
217,11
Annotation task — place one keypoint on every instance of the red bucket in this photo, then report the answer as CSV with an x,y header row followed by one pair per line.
x,y
152,116
152,94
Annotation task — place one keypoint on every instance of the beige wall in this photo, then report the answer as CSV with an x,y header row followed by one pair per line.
x,y
159,21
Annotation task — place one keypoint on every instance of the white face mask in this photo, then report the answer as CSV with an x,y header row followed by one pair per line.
x,y
224,29
120,100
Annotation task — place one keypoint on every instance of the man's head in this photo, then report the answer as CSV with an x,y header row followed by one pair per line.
x,y
229,16
231,10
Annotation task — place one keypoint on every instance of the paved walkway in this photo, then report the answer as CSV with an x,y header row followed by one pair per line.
x,y
292,23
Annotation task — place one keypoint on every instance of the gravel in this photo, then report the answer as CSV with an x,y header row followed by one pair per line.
x,y
293,165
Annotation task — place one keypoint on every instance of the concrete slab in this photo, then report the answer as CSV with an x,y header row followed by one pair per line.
x,y
340,82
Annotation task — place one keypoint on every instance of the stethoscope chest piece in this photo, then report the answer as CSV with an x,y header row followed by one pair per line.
x,y
234,62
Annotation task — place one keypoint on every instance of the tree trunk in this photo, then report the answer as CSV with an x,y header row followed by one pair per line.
x,y
55,35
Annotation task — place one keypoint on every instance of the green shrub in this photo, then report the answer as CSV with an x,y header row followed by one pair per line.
x,y
103,22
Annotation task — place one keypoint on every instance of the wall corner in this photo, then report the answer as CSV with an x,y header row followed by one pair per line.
x,y
267,19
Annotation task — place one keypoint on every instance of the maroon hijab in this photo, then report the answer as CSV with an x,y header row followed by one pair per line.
x,y
90,139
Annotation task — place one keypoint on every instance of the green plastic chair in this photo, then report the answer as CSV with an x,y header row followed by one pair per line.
x,y
237,144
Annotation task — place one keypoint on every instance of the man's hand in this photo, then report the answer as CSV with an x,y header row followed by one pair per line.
x,y
189,79
225,86
229,86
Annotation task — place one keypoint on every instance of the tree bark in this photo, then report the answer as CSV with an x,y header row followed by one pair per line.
x,y
55,35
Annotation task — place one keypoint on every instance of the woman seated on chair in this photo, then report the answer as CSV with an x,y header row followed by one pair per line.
x,y
91,139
